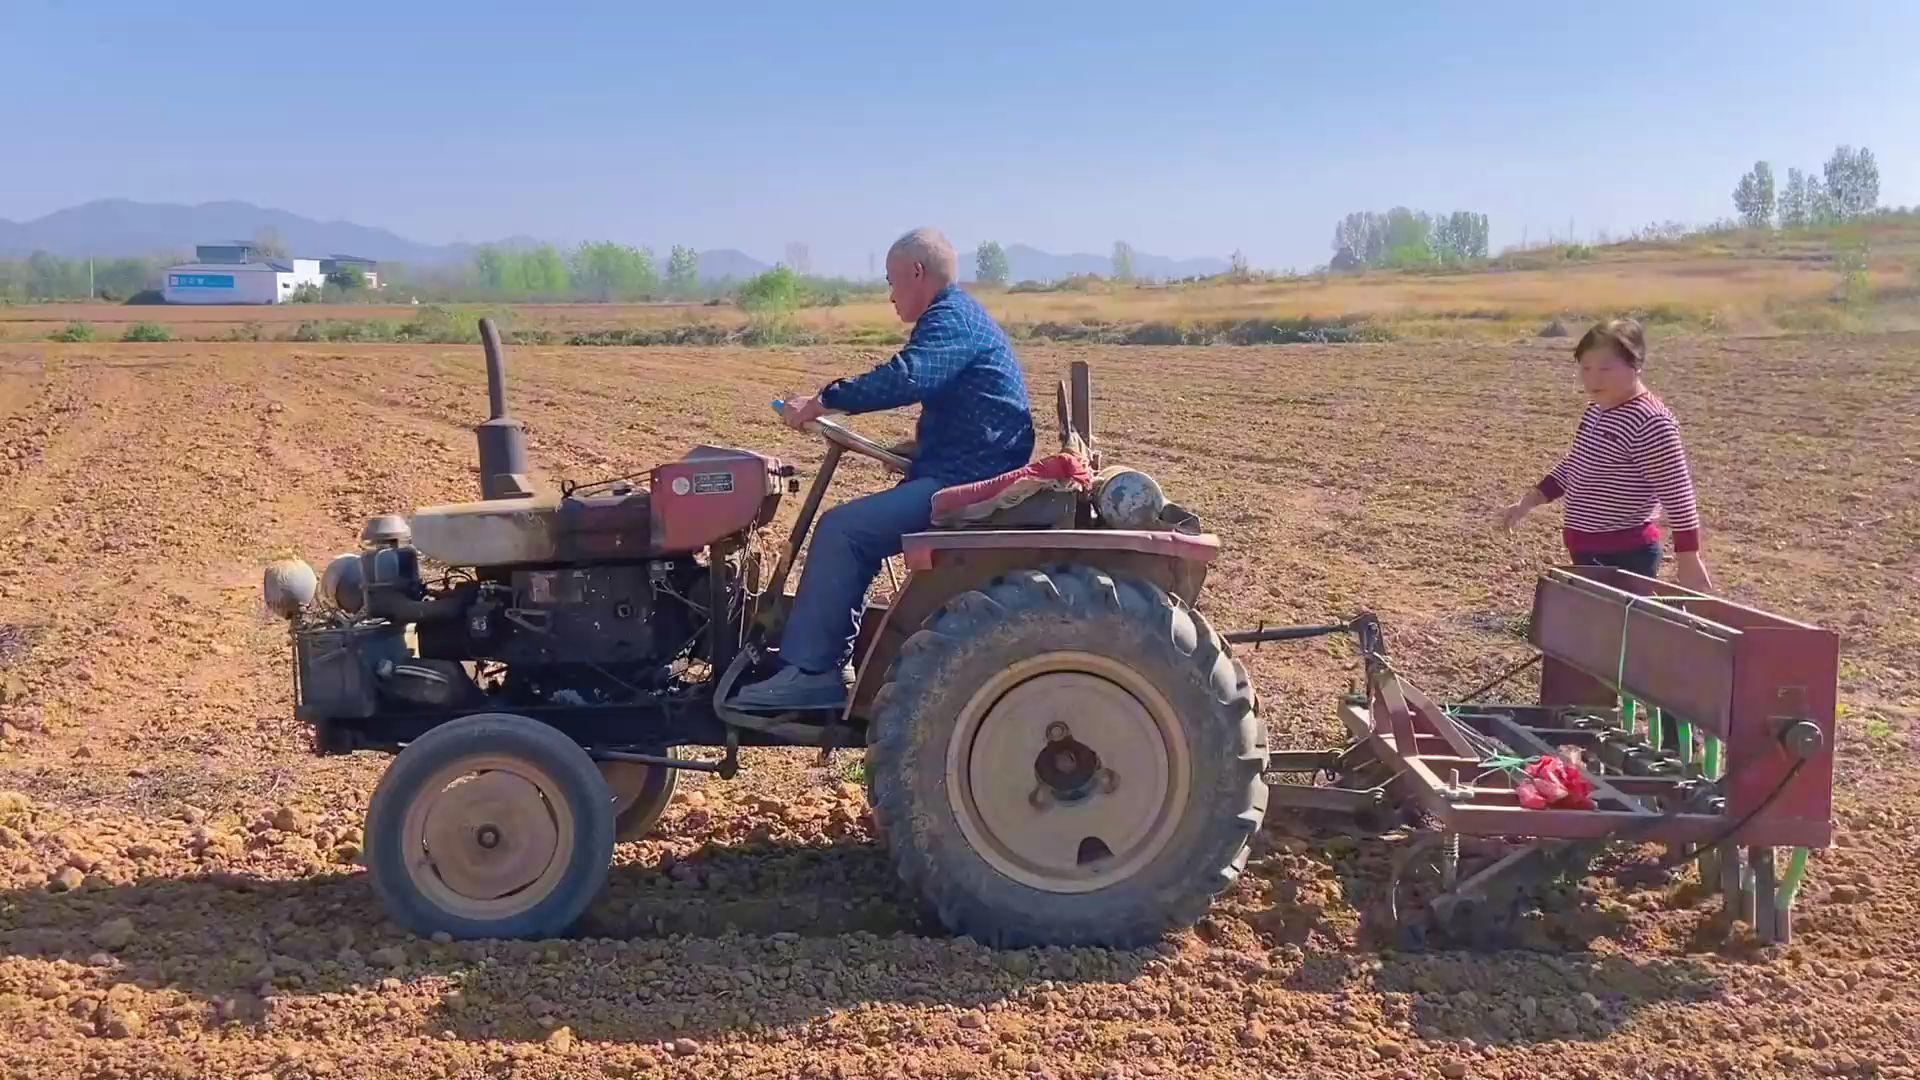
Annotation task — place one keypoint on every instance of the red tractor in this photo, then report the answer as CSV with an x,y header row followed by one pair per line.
x,y
1060,748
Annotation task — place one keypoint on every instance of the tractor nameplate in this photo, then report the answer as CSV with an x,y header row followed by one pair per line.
x,y
712,483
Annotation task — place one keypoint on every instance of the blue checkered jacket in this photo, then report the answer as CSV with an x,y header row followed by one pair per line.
x,y
975,421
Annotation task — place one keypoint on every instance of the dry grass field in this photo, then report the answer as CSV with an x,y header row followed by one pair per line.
x,y
178,895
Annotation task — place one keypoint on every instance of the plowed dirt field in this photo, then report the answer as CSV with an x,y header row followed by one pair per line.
x,y
178,888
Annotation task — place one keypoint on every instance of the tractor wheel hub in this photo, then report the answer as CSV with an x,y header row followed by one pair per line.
x,y
1068,772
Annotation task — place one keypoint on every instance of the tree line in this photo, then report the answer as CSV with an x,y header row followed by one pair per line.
x,y
990,263
1847,188
601,272
604,272
1404,239
41,276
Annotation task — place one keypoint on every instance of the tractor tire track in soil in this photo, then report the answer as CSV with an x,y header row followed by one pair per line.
x,y
179,886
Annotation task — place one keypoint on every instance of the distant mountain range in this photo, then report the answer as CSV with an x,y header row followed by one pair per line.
x,y
120,227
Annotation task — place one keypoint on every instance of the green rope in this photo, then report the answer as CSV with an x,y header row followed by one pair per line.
x,y
1627,702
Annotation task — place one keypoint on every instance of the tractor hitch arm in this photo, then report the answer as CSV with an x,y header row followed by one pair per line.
x,y
1365,625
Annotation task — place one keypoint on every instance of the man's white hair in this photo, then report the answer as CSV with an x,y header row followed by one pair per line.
x,y
930,249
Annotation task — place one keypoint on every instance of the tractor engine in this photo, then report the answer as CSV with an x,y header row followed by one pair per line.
x,y
527,635
597,595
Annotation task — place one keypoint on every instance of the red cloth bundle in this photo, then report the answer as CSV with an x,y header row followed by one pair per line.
x,y
1555,783
972,502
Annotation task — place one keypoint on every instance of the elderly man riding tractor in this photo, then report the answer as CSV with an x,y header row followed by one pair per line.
x,y
1060,749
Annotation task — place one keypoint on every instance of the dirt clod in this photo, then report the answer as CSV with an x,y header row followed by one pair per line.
x,y
121,1023
114,934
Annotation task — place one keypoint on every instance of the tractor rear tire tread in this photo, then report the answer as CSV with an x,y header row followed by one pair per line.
x,y
1083,608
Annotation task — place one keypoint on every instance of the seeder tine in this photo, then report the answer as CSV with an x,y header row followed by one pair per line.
x,y
1766,912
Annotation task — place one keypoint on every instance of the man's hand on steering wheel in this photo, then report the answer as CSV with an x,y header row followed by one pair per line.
x,y
798,414
809,411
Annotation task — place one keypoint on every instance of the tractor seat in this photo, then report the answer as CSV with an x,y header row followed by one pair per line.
x,y
1040,495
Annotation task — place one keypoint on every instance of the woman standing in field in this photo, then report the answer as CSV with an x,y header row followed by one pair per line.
x,y
1626,462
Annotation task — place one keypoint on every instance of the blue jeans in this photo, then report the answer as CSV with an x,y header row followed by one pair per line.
x,y
849,544
1644,561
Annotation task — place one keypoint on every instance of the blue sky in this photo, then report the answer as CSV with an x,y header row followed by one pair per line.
x,y
1185,129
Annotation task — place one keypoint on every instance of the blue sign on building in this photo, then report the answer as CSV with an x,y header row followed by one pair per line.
x,y
200,281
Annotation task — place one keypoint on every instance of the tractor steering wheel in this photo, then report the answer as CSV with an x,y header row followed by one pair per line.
x,y
847,440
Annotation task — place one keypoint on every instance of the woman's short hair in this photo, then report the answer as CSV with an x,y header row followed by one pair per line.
x,y
1624,335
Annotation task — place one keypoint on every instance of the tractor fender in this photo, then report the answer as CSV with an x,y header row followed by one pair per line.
x,y
941,565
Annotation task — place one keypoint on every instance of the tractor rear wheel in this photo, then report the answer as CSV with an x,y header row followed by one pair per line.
x,y
1067,757
640,795
491,825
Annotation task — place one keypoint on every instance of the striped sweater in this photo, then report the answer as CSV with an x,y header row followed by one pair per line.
x,y
1625,462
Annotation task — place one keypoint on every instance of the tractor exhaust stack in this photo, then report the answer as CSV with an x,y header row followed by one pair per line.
x,y
503,445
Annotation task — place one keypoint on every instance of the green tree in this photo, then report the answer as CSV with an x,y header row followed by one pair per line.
x,y
1853,182
1795,201
1350,238
990,264
348,278
490,269
1851,252
776,292
120,279
50,277
1820,207
1753,196
1122,261
608,271
545,273
770,300
683,271
1406,238
1470,234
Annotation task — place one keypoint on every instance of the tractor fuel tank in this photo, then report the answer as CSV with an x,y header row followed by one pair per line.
x,y
711,492
688,504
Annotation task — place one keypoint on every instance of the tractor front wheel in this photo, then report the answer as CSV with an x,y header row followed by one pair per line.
x,y
491,825
1067,757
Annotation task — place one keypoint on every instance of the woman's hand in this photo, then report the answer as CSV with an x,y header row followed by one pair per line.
x,y
1510,517
1692,572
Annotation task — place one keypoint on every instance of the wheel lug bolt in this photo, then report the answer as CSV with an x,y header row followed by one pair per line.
x,y
1041,798
1057,732
1109,780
